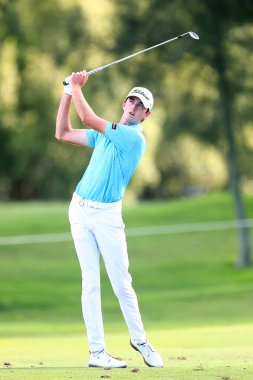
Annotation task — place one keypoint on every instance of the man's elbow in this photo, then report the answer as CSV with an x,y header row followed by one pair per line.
x,y
89,119
86,120
59,135
94,122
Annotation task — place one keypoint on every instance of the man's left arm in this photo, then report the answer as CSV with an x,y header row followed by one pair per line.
x,y
83,109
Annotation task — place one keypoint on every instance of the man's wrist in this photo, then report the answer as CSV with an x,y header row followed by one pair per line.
x,y
67,86
68,90
76,88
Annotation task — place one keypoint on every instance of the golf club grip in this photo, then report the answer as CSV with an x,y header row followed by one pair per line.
x,y
89,73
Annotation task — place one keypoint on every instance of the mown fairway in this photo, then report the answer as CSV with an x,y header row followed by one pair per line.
x,y
196,305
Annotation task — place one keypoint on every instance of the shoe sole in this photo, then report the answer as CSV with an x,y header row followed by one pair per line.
x,y
136,349
98,366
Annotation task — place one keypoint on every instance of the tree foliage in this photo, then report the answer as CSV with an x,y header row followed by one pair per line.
x,y
208,89
186,75
42,42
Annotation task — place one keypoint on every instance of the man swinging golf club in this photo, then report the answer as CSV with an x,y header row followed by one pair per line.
x,y
95,211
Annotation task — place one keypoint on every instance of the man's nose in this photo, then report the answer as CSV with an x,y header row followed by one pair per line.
x,y
135,106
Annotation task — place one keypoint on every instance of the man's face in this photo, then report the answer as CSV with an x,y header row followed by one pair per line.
x,y
134,110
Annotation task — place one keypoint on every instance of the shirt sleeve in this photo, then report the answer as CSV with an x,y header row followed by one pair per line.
x,y
126,138
92,136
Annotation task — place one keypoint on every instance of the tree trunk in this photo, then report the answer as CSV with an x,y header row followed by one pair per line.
x,y
226,104
243,230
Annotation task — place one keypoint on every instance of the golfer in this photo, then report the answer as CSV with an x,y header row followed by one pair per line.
x,y
95,211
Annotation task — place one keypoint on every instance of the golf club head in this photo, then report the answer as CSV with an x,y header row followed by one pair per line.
x,y
194,35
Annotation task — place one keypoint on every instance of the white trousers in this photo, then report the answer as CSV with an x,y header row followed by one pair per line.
x,y
97,228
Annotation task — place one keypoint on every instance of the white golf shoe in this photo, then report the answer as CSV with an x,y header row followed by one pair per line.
x,y
103,360
150,355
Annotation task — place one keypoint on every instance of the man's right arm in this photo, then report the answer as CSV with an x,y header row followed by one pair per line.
x,y
83,109
64,131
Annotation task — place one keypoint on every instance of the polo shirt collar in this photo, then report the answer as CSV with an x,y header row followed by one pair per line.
x,y
137,126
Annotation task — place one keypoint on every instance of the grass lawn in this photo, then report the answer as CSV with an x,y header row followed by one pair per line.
x,y
196,304
193,353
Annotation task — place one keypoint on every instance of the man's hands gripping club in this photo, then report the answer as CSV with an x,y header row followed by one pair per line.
x,y
77,79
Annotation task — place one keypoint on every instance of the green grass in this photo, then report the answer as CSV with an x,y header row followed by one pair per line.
x,y
196,304
195,353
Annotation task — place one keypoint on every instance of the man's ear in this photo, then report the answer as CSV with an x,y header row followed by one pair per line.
x,y
147,114
123,104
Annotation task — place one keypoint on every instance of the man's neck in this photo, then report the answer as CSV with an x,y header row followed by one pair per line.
x,y
124,121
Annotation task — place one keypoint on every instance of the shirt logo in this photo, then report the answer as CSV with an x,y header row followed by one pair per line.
x,y
114,126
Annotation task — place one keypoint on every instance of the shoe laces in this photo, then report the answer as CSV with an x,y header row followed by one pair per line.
x,y
148,346
102,352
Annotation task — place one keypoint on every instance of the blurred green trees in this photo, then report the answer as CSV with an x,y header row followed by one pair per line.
x,y
42,42
204,87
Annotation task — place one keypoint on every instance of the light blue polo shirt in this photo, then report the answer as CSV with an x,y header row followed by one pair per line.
x,y
113,162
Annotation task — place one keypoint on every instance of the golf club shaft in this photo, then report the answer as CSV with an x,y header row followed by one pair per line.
x,y
134,54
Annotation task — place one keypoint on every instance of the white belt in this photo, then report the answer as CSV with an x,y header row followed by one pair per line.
x,y
99,205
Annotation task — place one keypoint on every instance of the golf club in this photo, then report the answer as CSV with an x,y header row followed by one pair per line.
x,y
192,34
